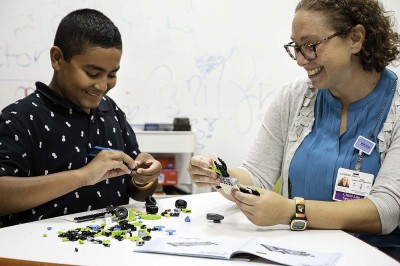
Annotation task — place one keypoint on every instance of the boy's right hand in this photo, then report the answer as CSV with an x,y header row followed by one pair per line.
x,y
200,173
107,164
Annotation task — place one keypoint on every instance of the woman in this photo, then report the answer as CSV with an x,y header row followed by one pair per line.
x,y
342,120
344,182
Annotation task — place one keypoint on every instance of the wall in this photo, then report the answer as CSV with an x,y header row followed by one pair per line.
x,y
216,62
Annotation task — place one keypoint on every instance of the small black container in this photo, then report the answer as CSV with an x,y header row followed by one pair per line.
x,y
182,124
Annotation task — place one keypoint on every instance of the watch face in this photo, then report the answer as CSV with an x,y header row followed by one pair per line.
x,y
298,225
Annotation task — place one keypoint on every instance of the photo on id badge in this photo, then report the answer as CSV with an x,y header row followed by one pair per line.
x,y
352,184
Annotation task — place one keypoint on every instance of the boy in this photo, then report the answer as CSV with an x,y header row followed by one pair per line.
x,y
46,138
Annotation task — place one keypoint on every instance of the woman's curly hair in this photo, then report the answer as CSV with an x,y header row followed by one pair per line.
x,y
382,43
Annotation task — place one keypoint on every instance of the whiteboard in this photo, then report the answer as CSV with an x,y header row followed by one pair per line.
x,y
216,62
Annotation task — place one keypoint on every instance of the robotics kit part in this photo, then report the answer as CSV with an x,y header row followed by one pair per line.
x,y
216,218
151,209
248,190
220,166
150,200
119,212
181,204
227,182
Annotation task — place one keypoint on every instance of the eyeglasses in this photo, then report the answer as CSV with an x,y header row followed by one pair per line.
x,y
309,50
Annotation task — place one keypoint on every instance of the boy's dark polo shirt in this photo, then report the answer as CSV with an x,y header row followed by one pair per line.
x,y
43,134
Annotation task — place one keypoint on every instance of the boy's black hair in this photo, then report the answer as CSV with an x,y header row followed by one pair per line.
x,y
84,28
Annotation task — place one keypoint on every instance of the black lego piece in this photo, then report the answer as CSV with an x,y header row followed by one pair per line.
x,y
120,213
181,204
221,167
215,217
151,209
90,217
150,200
248,190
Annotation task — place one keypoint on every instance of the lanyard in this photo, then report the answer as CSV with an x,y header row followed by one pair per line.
x,y
361,153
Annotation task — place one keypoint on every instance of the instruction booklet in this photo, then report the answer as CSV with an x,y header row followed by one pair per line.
x,y
247,249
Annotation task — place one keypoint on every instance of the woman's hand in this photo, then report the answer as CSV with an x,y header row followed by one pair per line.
x,y
200,173
267,209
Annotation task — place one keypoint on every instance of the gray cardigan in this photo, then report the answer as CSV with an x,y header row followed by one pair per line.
x,y
289,119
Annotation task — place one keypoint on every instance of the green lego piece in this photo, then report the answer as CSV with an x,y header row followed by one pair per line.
x,y
118,233
107,231
81,242
44,235
150,216
131,215
186,210
215,169
134,238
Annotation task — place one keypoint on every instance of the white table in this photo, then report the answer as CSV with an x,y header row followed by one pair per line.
x,y
26,241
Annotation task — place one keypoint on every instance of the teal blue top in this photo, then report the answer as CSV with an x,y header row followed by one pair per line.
x,y
313,169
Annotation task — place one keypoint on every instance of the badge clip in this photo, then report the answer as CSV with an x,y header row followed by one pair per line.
x,y
364,145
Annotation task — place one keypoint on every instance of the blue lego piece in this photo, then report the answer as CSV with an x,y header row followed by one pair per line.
x,y
94,227
170,231
159,227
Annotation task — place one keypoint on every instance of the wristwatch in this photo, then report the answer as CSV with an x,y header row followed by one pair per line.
x,y
299,221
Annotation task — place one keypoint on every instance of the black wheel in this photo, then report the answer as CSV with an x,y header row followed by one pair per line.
x,y
181,204
150,200
121,213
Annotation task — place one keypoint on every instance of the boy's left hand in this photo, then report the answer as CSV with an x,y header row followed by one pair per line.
x,y
148,169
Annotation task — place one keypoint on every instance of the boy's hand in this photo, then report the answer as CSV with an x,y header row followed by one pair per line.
x,y
147,169
107,164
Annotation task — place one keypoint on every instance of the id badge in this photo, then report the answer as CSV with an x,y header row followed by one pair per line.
x,y
352,185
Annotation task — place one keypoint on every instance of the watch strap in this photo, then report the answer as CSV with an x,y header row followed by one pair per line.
x,y
300,208
299,220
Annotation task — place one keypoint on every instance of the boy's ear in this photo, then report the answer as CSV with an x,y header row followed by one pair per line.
x,y
56,57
